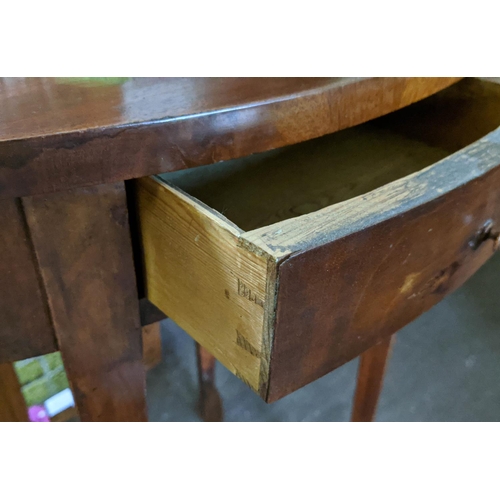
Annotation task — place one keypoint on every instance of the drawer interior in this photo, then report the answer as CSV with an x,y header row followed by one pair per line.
x,y
265,188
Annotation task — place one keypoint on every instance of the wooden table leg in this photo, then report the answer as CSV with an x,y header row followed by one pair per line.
x,y
25,326
12,405
209,402
371,371
151,345
82,244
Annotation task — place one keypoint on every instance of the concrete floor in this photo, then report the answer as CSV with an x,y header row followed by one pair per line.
x,y
445,367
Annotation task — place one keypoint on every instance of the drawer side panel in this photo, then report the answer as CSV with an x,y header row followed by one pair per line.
x,y
198,275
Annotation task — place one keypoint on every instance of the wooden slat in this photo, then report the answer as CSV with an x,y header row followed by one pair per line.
x,y
372,366
25,327
12,405
82,242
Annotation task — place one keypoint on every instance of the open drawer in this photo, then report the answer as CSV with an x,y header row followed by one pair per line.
x,y
289,263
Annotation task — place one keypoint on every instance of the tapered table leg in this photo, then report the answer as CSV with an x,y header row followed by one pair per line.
x,y
12,405
81,239
209,402
371,371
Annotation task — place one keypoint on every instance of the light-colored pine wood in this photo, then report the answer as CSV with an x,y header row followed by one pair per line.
x,y
199,275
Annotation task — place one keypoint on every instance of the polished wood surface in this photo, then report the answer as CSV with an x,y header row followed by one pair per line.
x,y
371,371
48,106
25,324
12,405
57,134
82,242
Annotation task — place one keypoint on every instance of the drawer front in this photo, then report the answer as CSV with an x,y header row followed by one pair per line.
x,y
338,299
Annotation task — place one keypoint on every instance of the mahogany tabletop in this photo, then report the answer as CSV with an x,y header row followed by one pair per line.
x,y
60,133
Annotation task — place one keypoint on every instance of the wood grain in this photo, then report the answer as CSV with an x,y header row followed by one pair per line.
x,y
476,124
338,299
152,355
12,405
198,275
209,400
263,189
17,346
398,236
372,366
25,325
379,278
57,134
82,243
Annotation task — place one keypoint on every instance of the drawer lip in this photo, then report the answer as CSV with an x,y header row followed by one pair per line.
x,y
298,234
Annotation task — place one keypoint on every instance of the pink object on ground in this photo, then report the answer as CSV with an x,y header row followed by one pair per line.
x,y
38,414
